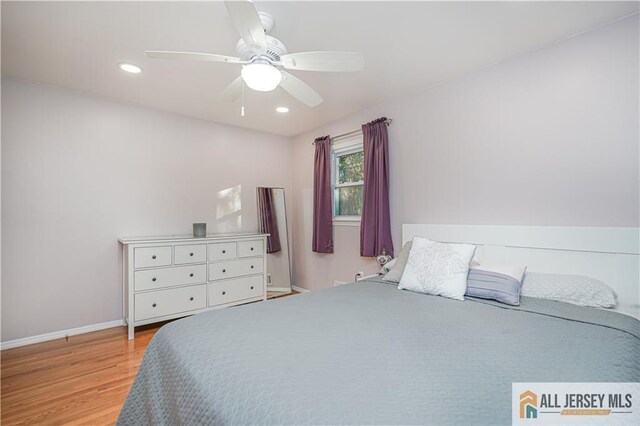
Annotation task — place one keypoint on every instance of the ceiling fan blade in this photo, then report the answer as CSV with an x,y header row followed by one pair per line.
x,y
324,61
300,90
193,56
247,22
233,90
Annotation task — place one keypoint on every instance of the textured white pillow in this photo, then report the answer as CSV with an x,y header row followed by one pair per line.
x,y
437,268
576,289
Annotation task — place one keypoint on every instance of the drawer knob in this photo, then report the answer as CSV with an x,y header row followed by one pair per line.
x,y
251,248
251,287
224,251
191,298
224,292
153,257
153,279
251,266
190,254
224,270
154,305
191,274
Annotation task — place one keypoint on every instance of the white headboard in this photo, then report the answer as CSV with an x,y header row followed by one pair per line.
x,y
608,254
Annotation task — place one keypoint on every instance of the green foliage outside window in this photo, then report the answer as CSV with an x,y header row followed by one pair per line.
x,y
351,167
349,198
350,201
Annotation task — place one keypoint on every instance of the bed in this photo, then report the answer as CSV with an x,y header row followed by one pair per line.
x,y
368,353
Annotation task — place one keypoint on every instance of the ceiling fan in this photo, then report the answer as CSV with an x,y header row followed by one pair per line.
x,y
263,58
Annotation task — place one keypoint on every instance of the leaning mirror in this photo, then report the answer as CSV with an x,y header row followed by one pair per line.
x,y
272,220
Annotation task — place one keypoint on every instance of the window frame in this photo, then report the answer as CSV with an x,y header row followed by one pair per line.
x,y
349,146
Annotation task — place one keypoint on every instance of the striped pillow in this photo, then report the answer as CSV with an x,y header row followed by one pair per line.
x,y
499,282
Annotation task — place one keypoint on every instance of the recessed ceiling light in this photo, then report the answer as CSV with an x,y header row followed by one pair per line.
x,y
134,69
282,109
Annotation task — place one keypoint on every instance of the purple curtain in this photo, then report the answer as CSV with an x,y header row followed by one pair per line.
x,y
375,226
267,219
322,217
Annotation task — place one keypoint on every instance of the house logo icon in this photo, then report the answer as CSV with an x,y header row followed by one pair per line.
x,y
528,405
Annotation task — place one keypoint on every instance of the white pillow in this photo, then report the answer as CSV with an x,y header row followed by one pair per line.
x,y
437,268
576,289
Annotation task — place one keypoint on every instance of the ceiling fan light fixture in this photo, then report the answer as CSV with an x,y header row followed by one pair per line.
x,y
261,77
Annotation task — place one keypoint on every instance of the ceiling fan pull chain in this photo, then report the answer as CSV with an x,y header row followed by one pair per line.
x,y
242,101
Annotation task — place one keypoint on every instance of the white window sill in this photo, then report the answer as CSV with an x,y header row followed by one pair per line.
x,y
346,221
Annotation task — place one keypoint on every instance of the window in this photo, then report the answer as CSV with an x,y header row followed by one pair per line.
x,y
348,180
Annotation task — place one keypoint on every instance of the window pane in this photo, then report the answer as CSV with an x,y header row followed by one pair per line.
x,y
349,201
351,167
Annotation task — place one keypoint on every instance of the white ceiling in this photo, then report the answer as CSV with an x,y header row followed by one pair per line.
x,y
407,47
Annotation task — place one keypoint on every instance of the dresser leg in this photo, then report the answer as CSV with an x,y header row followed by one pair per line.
x,y
131,331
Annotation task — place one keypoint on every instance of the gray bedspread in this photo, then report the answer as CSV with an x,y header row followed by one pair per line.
x,y
368,353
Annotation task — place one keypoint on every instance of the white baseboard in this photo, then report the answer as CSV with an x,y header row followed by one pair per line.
x,y
60,334
300,289
279,289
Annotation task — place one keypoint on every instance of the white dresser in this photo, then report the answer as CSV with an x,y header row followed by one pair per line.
x,y
171,277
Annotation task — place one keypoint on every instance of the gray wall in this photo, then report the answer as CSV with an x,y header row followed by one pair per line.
x,y
546,138
79,171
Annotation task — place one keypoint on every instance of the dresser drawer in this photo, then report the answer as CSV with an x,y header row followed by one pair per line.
x,y
222,251
158,278
193,253
147,257
229,291
250,248
235,268
167,302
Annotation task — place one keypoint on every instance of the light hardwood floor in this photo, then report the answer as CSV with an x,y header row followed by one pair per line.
x,y
82,380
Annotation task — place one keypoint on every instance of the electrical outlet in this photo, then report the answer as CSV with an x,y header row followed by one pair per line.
x,y
268,279
337,283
